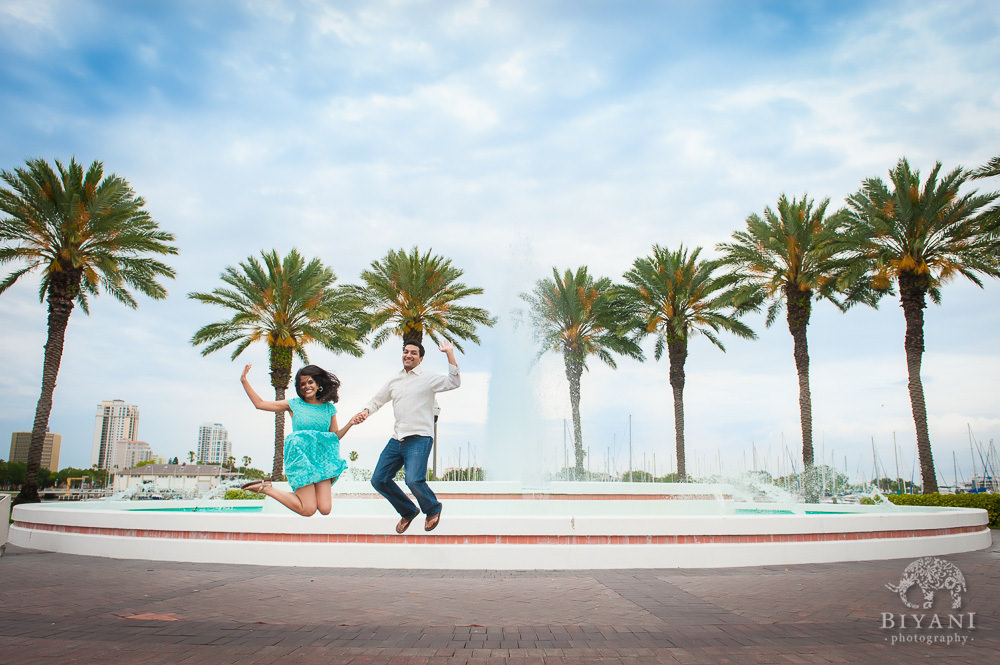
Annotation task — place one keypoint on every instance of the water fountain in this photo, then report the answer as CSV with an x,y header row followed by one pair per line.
x,y
508,524
514,435
497,525
514,520
148,491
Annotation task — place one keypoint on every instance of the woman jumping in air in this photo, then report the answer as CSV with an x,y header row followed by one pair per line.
x,y
312,451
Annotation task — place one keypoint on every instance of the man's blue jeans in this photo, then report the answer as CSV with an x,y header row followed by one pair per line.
x,y
411,453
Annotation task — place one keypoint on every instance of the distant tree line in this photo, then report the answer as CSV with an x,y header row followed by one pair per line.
x,y
12,475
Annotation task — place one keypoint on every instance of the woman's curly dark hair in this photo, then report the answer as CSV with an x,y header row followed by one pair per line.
x,y
329,384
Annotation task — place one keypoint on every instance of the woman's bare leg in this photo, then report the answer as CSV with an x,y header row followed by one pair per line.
x,y
303,501
324,498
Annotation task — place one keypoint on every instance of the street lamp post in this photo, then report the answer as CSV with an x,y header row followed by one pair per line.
x,y
434,444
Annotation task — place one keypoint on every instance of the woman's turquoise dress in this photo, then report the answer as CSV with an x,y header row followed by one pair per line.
x,y
312,451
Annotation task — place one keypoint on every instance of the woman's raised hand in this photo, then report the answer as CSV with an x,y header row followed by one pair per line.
x,y
246,370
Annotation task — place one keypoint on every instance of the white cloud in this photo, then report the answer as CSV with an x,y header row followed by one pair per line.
x,y
438,106
458,102
513,72
468,15
332,22
31,26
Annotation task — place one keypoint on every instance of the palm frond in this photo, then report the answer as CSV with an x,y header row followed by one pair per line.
x,y
14,276
989,169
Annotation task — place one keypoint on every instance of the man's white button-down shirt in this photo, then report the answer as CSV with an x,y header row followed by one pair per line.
x,y
412,395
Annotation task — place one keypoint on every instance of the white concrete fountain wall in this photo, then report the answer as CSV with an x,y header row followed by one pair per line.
x,y
497,526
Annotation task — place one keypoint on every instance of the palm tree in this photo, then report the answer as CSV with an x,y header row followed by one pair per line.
x,y
920,236
288,304
579,316
678,296
789,257
246,461
407,295
85,233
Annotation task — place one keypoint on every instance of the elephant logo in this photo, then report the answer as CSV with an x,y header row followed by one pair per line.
x,y
931,574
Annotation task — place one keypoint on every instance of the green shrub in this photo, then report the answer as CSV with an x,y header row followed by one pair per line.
x,y
242,495
988,502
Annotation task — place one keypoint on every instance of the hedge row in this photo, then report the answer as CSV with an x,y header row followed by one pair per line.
x,y
988,502
242,495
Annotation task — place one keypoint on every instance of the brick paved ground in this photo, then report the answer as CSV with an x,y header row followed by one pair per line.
x,y
62,609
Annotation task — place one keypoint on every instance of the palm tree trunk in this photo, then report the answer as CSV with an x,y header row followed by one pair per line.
x,y
574,372
60,297
281,373
799,307
677,352
912,290
413,333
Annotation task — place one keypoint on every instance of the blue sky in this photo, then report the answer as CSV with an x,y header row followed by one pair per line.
x,y
510,137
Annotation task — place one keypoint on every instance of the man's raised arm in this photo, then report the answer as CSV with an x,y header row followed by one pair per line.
x,y
452,379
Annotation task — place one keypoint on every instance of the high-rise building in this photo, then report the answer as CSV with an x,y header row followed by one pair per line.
x,y
214,446
116,421
129,453
20,443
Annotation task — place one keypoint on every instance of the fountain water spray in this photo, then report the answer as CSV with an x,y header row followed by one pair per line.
x,y
514,428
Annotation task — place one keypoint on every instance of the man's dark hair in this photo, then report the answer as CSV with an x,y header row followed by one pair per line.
x,y
416,344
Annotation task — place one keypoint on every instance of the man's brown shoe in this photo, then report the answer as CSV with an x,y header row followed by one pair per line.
x,y
404,523
432,521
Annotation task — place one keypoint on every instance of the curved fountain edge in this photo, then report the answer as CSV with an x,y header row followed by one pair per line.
x,y
570,539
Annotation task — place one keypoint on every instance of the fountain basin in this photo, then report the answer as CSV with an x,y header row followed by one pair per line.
x,y
503,526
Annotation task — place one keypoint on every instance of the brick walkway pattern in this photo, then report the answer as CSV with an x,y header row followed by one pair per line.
x,y
63,609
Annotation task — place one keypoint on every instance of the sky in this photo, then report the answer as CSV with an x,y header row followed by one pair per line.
x,y
511,138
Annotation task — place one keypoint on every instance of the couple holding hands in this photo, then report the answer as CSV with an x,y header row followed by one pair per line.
x,y
312,451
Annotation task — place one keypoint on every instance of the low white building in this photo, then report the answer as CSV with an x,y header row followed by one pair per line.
x,y
187,480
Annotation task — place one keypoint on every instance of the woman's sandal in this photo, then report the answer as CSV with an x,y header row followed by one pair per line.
x,y
261,485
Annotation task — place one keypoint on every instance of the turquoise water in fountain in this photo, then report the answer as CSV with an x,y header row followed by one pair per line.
x,y
201,509
524,508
